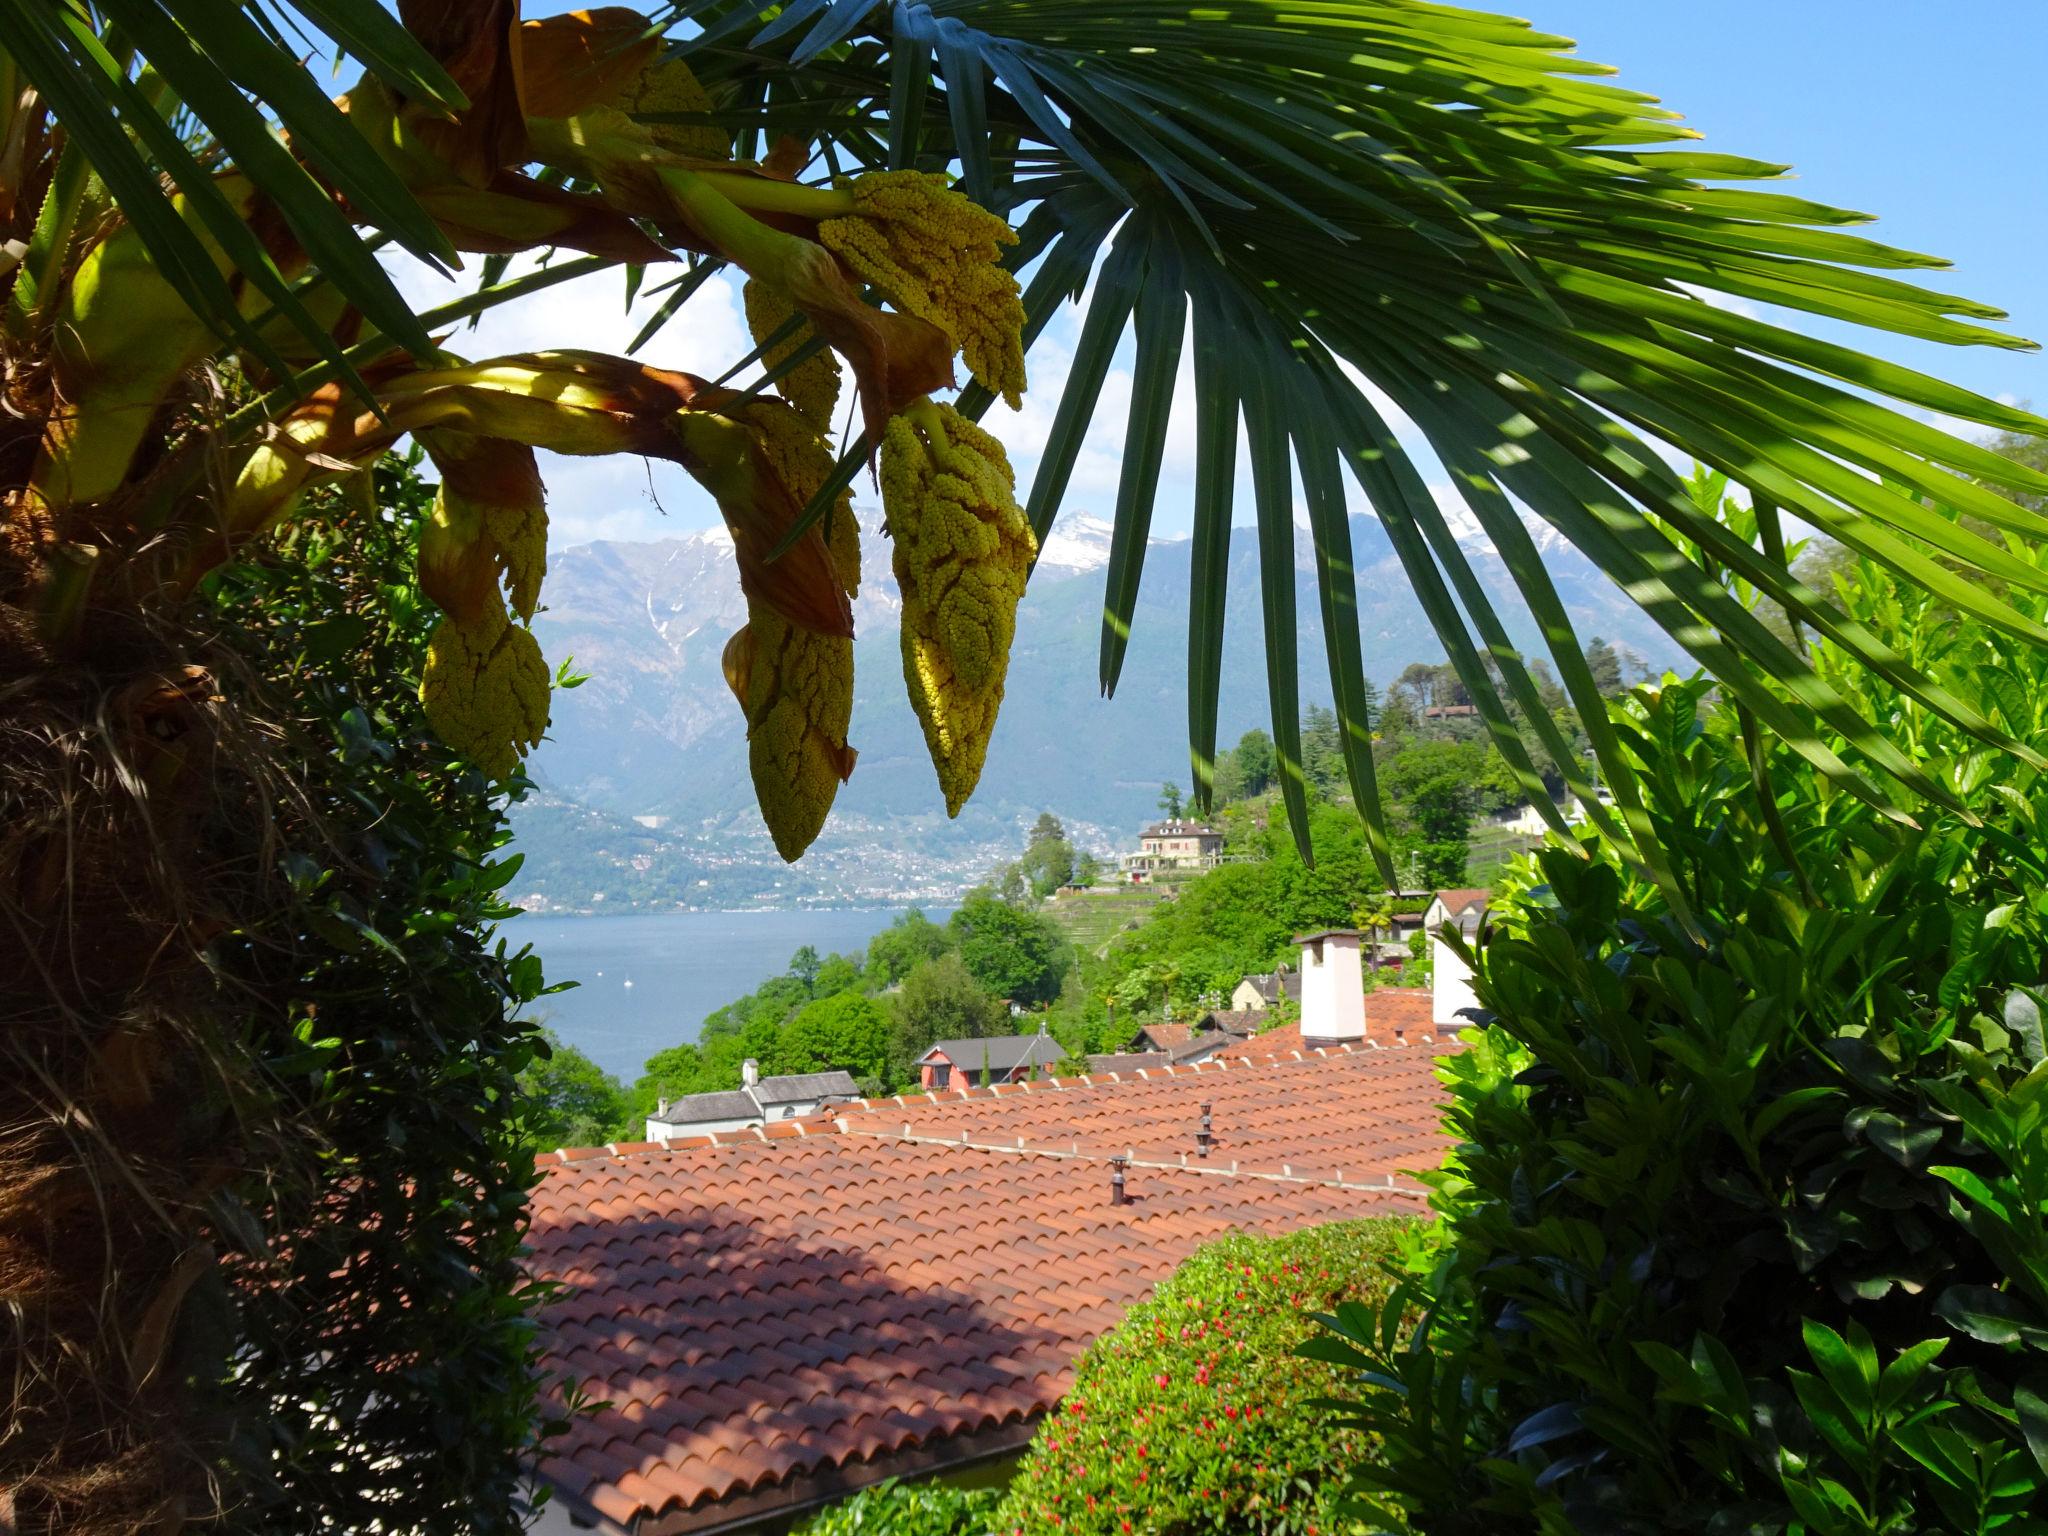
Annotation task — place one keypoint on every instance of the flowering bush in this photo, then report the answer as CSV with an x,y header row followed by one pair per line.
x,y
1193,1415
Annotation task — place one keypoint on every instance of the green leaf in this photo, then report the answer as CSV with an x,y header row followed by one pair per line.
x,y
1849,1365
1161,323
1216,418
1905,1371
2030,1401
1265,427
1116,292
1337,587
1992,1316
387,50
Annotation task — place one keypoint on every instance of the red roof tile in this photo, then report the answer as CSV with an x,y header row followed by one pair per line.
x,y
1457,901
912,1282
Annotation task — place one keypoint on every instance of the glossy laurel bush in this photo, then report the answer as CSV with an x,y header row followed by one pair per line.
x,y
1749,1234
909,1509
1193,1414
371,1313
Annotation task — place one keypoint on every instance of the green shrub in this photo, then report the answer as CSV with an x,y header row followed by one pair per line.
x,y
1193,1414
909,1509
1749,1227
377,1357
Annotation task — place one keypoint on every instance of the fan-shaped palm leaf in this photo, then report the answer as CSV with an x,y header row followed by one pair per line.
x,y
1354,203
1405,201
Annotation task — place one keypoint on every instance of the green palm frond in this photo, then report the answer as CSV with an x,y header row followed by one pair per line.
x,y
225,69
1349,202
1452,209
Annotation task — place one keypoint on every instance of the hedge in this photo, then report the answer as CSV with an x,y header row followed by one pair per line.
x,y
1194,1414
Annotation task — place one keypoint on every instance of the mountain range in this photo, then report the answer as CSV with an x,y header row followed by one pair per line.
x,y
646,796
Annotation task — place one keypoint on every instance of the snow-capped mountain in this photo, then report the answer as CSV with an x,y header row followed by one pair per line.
x,y
1078,543
655,734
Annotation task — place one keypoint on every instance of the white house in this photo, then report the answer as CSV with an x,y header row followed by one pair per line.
x,y
1451,978
1174,844
756,1101
1523,820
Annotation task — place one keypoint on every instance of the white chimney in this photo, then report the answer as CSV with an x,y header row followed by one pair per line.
x,y
750,1073
1332,988
1450,979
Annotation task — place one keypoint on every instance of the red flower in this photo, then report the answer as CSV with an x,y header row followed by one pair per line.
x,y
1162,1380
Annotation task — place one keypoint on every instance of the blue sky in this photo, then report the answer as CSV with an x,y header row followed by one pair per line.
x,y
1926,114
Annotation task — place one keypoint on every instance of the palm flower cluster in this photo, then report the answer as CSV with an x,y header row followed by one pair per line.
x,y
962,552
811,384
939,256
795,685
485,683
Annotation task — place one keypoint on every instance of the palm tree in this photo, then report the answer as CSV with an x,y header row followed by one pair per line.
x,y
1350,212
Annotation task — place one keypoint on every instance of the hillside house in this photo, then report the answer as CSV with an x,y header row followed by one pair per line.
x,y
1184,1044
1257,993
1175,844
1523,821
756,1101
988,1060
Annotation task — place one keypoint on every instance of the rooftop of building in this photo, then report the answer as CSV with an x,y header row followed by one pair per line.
x,y
1000,1053
775,1316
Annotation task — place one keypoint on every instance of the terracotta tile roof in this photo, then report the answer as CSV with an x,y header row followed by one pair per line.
x,y
777,1315
1164,1036
1457,901
1393,1015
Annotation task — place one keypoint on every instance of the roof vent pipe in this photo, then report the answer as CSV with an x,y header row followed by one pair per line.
x,y
1117,1196
1205,1137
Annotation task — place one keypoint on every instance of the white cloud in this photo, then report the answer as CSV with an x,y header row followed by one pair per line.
x,y
1720,300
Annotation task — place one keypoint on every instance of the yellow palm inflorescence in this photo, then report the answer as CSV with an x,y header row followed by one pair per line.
x,y
938,255
668,85
795,685
812,386
485,683
963,549
485,690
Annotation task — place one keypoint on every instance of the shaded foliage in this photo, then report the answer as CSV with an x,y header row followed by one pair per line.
x,y
370,1295
1749,1228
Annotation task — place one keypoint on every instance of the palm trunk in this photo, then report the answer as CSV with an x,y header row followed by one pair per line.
x,y
118,838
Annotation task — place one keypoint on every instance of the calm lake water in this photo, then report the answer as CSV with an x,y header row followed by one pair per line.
x,y
648,979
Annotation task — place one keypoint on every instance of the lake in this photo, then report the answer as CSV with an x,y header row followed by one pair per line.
x,y
648,979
